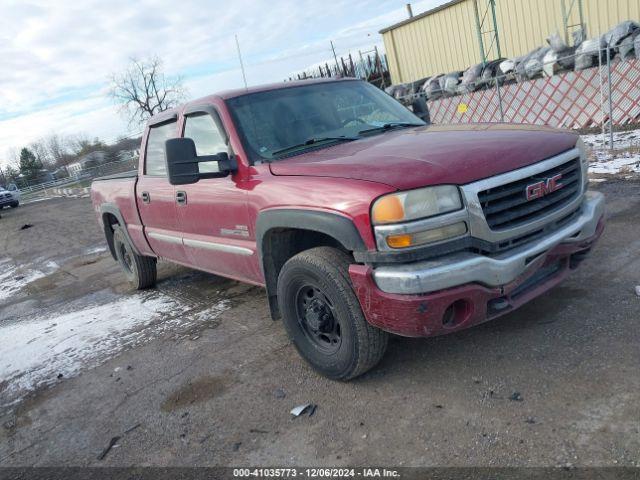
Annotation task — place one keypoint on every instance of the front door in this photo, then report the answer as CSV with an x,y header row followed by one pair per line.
x,y
213,213
156,197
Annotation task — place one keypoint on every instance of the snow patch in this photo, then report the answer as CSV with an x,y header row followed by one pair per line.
x,y
51,267
630,138
95,250
624,158
612,164
36,351
12,280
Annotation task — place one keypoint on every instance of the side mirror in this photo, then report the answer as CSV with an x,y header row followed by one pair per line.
x,y
183,162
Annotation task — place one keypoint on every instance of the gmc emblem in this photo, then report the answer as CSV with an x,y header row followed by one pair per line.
x,y
545,187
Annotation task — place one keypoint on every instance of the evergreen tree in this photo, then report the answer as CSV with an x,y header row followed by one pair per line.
x,y
29,164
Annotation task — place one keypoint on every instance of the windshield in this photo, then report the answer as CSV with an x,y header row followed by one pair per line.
x,y
279,123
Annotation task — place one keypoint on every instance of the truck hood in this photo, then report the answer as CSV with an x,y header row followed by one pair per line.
x,y
431,155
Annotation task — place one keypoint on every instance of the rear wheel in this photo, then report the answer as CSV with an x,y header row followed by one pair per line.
x,y
140,271
322,315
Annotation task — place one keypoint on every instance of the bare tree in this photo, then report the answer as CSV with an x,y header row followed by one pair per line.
x,y
79,143
58,147
143,90
14,156
41,152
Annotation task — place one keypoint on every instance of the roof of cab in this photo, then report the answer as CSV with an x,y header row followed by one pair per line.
x,y
172,113
237,92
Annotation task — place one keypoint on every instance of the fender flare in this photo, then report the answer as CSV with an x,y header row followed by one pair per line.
x,y
112,209
334,225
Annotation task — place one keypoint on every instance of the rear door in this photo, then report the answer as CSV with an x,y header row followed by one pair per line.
x,y
213,214
156,197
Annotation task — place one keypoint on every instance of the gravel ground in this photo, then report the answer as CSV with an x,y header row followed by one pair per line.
x,y
196,373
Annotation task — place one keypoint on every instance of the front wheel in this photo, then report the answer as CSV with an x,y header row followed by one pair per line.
x,y
322,315
15,204
140,271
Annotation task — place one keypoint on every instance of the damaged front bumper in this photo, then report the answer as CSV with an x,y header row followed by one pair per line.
x,y
460,290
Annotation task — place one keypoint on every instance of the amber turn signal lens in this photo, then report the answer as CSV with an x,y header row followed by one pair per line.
x,y
388,209
404,240
399,241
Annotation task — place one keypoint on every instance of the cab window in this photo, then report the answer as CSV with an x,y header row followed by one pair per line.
x,y
155,162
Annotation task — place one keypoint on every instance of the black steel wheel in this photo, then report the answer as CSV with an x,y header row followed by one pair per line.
x,y
140,270
318,318
322,315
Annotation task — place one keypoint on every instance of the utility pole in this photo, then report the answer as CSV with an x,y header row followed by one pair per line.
x,y
244,77
334,55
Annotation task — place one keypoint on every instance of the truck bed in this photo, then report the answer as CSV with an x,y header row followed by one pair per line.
x,y
114,200
117,176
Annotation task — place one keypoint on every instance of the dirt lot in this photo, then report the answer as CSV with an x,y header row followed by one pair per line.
x,y
195,372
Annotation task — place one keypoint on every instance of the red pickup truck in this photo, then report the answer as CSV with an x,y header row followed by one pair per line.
x,y
357,217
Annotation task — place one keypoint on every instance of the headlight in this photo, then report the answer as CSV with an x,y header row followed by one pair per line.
x,y
415,204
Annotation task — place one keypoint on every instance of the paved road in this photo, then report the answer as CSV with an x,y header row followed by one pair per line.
x,y
195,372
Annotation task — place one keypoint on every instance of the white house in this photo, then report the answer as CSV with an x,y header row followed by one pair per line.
x,y
85,163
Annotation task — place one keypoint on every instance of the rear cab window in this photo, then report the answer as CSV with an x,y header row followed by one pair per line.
x,y
155,163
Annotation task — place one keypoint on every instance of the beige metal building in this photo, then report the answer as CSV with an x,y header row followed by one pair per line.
x,y
462,33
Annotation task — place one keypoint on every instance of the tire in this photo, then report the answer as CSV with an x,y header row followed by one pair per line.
x,y
140,271
15,204
322,315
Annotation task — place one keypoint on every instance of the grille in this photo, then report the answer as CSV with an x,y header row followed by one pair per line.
x,y
507,206
5,195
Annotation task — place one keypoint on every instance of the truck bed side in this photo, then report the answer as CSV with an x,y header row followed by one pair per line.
x,y
114,202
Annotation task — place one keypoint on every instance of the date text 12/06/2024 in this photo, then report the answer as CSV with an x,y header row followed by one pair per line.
x,y
315,472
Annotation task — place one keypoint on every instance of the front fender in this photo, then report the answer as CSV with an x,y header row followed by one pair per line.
x,y
339,227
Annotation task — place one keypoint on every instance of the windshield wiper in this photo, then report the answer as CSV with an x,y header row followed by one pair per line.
x,y
389,126
313,141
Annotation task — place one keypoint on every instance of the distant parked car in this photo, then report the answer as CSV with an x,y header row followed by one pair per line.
x,y
10,197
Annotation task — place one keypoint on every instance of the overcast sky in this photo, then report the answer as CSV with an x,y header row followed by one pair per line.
x,y
56,56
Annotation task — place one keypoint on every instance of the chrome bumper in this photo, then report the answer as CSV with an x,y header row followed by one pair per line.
x,y
462,268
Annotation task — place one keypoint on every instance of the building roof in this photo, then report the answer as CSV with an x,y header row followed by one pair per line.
x,y
421,15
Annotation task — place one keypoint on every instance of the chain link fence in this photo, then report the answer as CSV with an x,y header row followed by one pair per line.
x,y
604,97
76,181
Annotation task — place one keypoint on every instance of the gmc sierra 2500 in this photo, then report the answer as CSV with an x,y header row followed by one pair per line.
x,y
357,217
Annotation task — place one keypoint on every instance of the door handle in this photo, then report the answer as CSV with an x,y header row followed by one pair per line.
x,y
181,198
146,198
